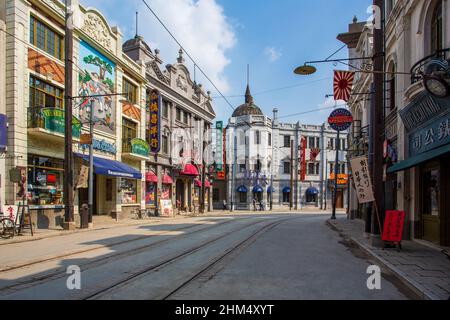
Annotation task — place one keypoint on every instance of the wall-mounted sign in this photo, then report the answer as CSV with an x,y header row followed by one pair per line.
x,y
362,180
3,132
155,104
140,147
85,139
102,146
219,146
54,121
342,178
302,158
340,119
221,175
97,79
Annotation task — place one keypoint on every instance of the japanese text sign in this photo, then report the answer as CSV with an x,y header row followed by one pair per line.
x,y
393,226
361,178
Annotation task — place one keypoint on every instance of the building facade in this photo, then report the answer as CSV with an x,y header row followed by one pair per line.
x,y
259,152
133,168
3,119
417,138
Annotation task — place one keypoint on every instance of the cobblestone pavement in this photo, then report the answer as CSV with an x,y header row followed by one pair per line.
x,y
422,268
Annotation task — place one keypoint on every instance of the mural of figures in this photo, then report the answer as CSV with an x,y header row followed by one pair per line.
x,y
97,78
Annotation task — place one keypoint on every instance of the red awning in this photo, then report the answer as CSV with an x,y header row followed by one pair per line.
x,y
198,183
151,177
167,179
207,184
189,170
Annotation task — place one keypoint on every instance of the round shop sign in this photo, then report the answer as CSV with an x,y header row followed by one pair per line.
x,y
340,119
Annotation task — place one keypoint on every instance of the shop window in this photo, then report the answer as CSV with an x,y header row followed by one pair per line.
x,y
150,193
46,39
286,197
45,181
129,191
185,117
178,116
270,139
312,142
44,95
130,91
257,137
165,144
165,109
311,169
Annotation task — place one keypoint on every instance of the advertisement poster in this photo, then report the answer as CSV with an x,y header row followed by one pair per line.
x,y
150,194
166,208
97,78
10,212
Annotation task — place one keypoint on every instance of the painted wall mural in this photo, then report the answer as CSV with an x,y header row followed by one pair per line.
x,y
97,78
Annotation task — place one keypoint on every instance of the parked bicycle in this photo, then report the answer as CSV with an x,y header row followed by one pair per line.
x,y
8,228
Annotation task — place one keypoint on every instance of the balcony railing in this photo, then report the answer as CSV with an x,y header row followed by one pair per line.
x,y
419,68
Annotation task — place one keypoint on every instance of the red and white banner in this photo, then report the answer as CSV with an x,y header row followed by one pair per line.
x,y
343,84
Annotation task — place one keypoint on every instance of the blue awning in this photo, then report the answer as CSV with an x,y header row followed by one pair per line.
x,y
258,189
242,189
312,191
270,189
287,190
111,168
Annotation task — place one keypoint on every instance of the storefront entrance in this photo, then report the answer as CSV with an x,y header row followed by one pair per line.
x,y
180,194
431,202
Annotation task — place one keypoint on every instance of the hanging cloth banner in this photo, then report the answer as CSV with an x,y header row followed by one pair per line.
x,y
343,84
361,178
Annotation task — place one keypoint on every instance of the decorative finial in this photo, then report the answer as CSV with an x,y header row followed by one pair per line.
x,y
355,19
180,56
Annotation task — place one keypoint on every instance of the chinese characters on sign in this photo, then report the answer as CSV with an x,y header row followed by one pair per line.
x,y
155,121
82,182
393,226
430,137
361,178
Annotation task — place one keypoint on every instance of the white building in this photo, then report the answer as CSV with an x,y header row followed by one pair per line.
x,y
259,161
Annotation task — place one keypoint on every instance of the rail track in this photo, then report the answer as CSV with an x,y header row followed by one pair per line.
x,y
146,271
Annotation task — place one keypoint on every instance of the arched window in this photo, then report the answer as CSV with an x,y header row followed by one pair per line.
x,y
392,88
437,34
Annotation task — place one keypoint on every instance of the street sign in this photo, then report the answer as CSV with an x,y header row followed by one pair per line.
x,y
340,119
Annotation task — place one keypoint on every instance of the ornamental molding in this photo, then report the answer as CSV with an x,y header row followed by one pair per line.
x,y
54,6
94,27
182,83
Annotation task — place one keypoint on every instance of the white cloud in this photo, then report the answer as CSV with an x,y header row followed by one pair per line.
x,y
327,106
272,53
201,27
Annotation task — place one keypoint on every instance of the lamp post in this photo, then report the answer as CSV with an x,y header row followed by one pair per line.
x,y
68,147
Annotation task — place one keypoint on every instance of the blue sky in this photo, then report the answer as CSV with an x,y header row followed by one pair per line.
x,y
272,36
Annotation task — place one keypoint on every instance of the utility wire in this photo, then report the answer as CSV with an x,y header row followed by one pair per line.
x,y
187,53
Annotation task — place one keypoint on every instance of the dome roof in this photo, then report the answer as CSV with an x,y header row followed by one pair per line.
x,y
249,108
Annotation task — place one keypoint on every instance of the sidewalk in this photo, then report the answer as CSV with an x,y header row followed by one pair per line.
x,y
424,269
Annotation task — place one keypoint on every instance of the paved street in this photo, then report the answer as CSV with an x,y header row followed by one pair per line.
x,y
278,256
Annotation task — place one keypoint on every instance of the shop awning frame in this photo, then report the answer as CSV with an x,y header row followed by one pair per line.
x,y
112,168
419,159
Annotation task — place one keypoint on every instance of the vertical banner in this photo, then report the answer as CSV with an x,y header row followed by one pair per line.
x,y
219,146
155,121
361,178
302,158
3,132
393,226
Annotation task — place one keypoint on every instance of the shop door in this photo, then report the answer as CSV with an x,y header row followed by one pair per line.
x,y
340,199
180,195
431,197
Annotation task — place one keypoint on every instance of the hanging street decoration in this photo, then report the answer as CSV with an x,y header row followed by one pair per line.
x,y
155,121
343,84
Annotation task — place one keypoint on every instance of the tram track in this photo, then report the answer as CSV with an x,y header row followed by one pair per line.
x,y
146,271
34,281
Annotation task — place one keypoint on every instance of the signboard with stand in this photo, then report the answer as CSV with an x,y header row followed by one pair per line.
x,y
393,228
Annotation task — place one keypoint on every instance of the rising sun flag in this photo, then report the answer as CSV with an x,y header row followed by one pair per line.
x,y
343,83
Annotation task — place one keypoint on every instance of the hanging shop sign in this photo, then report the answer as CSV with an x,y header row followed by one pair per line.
x,y
361,178
83,178
54,121
221,175
393,226
219,146
155,121
340,119
85,139
140,147
3,132
343,84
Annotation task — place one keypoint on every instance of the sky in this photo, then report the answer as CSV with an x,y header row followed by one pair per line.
x,y
272,36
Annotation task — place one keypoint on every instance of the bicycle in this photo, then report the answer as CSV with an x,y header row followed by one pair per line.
x,y
8,228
